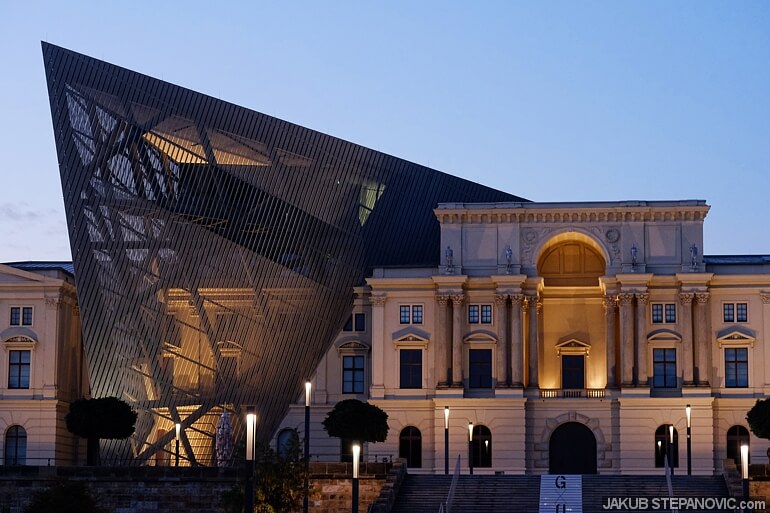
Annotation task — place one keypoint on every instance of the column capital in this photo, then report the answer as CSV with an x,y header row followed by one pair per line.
x,y
765,297
500,299
518,299
442,300
458,299
643,298
625,299
609,303
686,298
378,300
702,297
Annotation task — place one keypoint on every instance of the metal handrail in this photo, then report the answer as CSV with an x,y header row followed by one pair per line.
x,y
451,495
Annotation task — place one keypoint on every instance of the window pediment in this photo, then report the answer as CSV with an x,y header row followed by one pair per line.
x,y
480,337
351,345
412,339
573,346
736,338
18,335
666,336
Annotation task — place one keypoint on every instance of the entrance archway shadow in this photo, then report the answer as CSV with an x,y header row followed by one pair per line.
x,y
572,450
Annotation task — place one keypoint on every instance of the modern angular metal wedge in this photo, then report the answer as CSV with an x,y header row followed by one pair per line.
x,y
216,248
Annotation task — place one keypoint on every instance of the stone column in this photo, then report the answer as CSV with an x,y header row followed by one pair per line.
x,y
610,304
502,341
443,354
641,339
627,338
532,342
517,349
457,340
378,345
687,354
701,339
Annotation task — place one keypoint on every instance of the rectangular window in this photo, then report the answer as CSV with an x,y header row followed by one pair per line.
x,y
356,322
411,368
479,314
735,312
664,368
360,322
663,313
26,316
352,374
15,316
736,367
405,314
416,314
18,369
480,368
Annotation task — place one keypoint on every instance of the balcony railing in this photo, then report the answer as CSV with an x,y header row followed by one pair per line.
x,y
572,393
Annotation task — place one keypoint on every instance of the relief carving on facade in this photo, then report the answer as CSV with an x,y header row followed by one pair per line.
x,y
702,297
686,298
643,298
765,297
378,300
626,299
442,300
610,303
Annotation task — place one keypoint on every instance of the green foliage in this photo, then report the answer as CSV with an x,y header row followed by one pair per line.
x,y
64,497
107,417
355,420
758,418
279,483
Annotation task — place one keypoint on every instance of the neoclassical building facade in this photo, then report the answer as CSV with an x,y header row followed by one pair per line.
x,y
570,335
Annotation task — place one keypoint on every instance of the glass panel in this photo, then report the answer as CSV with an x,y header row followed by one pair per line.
x,y
348,324
27,316
360,322
486,314
417,314
728,313
15,316
480,372
473,314
411,368
657,313
670,313
404,314
743,313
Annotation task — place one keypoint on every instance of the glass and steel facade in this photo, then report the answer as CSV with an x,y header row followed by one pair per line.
x,y
216,248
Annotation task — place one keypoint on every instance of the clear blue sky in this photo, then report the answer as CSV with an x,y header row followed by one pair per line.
x,y
552,101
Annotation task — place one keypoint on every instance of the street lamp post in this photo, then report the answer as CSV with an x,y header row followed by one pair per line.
x,y
178,430
251,434
470,446
671,448
745,470
356,453
688,412
446,440
305,500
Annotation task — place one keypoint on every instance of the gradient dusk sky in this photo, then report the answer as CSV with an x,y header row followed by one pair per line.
x,y
551,101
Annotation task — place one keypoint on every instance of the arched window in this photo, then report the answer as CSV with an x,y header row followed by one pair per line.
x,y
662,438
736,436
287,442
410,446
482,446
15,446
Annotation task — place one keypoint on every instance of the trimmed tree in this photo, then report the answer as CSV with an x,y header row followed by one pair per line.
x,y
758,418
94,419
358,421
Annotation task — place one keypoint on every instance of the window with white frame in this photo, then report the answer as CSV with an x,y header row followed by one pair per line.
x,y
353,374
735,312
22,315
410,314
18,368
663,313
664,368
479,314
736,367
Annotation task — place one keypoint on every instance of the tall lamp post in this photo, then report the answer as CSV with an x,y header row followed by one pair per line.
x,y
446,440
688,414
671,448
251,434
305,500
356,454
470,446
745,470
178,430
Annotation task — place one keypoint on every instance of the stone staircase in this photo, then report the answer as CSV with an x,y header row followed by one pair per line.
x,y
520,494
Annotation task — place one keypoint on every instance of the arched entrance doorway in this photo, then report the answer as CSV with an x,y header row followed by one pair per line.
x,y
572,450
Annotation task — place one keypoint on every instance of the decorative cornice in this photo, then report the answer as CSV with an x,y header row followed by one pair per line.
x,y
612,213
686,298
702,297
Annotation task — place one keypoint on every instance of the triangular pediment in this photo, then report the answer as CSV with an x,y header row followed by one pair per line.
x,y
735,336
410,334
573,346
411,338
10,274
